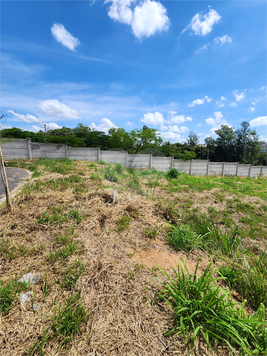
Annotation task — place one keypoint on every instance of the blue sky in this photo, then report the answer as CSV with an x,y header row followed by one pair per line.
x,y
177,66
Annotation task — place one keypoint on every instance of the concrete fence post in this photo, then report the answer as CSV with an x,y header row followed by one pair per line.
x,y
190,168
150,161
66,151
29,148
208,165
261,173
236,169
126,159
223,168
172,162
98,154
249,172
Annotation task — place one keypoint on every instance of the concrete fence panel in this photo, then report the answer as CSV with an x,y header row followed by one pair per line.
x,y
230,168
264,170
81,153
182,166
162,163
244,170
16,148
139,161
48,150
215,168
199,167
255,171
113,157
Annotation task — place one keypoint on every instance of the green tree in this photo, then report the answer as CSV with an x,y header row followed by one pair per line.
x,y
192,139
225,144
247,144
145,138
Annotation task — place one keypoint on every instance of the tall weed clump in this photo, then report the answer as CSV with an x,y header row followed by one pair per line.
x,y
203,309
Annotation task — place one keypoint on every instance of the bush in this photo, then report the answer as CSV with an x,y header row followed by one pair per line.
x,y
173,173
110,174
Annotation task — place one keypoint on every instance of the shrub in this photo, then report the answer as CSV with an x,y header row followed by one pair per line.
x,y
110,174
173,173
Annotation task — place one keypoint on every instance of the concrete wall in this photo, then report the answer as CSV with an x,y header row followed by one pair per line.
x,y
162,163
17,148
182,166
114,157
80,153
139,161
48,150
24,148
199,167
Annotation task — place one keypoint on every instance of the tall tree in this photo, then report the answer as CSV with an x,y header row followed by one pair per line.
x,y
192,139
247,144
225,144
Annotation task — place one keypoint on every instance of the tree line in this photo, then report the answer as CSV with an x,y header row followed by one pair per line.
x,y
240,145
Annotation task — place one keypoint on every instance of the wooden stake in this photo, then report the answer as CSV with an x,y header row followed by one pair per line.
x,y
5,182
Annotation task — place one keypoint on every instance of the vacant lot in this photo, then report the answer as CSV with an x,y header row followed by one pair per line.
x,y
107,286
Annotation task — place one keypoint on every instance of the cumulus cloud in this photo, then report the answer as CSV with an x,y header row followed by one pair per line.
x,y
170,136
154,119
145,19
216,120
200,101
252,109
238,96
105,125
223,98
129,123
64,37
223,39
233,103
202,24
29,119
55,108
175,128
259,121
262,88
178,119
219,104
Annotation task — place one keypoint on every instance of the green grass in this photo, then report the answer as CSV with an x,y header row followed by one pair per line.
x,y
183,237
60,184
62,166
152,233
69,249
123,223
69,319
72,274
9,292
203,309
59,216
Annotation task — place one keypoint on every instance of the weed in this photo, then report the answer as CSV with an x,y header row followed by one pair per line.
x,y
119,168
100,161
153,232
169,211
110,174
64,238
8,293
7,249
94,176
173,173
228,243
202,308
123,222
67,319
182,237
72,274
67,250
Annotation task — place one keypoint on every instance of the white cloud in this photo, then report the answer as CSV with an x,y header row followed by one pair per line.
x,y
64,37
217,120
253,103
129,123
163,128
37,128
237,96
199,124
29,119
173,103
170,136
202,24
52,126
175,128
219,104
178,119
145,19
223,98
200,101
223,39
55,108
206,46
105,125
261,120
153,118
262,88
252,109
233,103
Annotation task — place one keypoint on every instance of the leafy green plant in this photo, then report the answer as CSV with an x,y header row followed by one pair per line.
x,y
9,292
110,174
119,168
227,242
68,319
100,161
123,222
72,274
173,173
183,237
203,308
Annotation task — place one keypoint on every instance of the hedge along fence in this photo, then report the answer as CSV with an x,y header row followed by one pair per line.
x,y
24,148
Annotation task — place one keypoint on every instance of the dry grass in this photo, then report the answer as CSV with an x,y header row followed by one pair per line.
x,y
118,282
